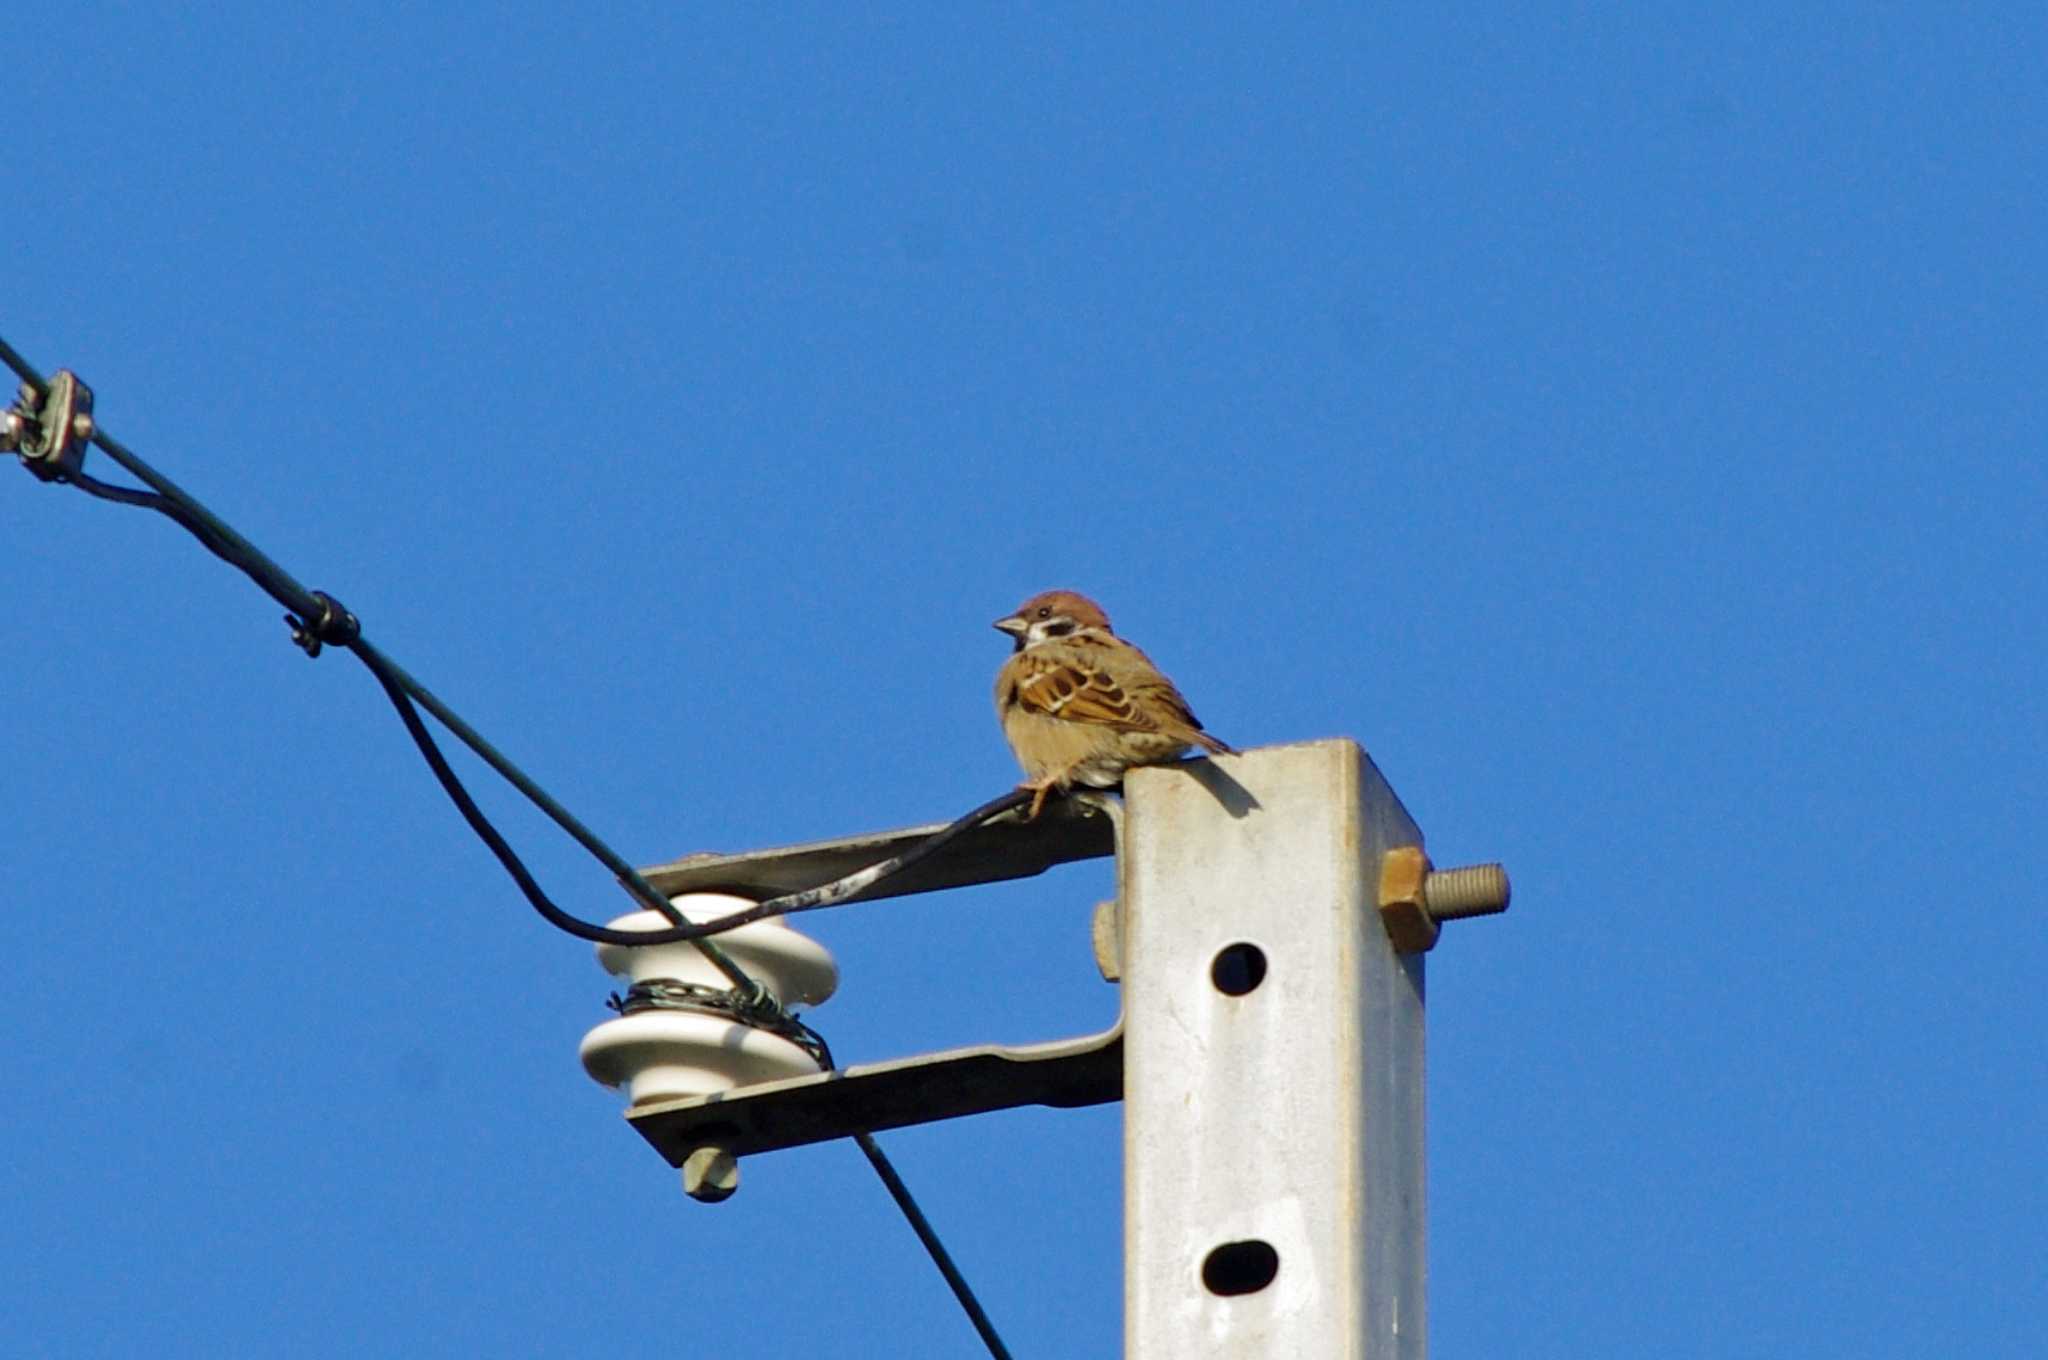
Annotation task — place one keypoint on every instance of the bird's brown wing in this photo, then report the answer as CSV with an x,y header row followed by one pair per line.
x,y
1172,715
1065,683
1076,683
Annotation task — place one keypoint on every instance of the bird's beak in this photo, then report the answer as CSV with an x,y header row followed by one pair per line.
x,y
1013,625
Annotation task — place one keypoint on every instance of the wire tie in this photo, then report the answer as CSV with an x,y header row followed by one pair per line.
x,y
757,1003
334,627
758,1010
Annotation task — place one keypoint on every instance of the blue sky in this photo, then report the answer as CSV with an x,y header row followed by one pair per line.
x,y
1626,421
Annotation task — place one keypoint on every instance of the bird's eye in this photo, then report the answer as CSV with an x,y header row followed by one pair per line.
x,y
1045,611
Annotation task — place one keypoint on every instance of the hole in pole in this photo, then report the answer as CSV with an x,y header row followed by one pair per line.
x,y
1240,1267
1238,968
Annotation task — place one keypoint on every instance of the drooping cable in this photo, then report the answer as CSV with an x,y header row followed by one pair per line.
x,y
308,607
906,1204
920,1225
318,620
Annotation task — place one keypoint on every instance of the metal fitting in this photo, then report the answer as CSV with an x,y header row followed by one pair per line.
x,y
50,434
710,1174
1475,890
1415,900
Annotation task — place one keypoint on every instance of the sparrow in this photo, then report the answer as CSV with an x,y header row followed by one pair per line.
x,y
1079,704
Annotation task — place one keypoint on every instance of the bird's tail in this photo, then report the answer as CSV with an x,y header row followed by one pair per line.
x,y
1211,745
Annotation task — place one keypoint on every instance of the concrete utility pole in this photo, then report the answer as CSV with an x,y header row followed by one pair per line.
x,y
1273,910
1273,1064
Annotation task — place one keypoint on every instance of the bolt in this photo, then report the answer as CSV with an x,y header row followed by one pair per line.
x,y
710,1174
1475,890
12,427
1416,899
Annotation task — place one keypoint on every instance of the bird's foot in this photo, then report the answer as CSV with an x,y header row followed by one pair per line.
x,y
1041,789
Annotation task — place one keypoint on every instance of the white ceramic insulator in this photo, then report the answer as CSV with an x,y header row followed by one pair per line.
x,y
669,1054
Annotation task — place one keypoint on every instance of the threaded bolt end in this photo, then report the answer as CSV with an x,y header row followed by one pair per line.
x,y
1475,890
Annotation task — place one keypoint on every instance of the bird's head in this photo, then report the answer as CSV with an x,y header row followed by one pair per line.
x,y
1051,615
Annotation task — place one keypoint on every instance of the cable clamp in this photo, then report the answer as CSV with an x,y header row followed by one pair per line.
x,y
50,433
334,627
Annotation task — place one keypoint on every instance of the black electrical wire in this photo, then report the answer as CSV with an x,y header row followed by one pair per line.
x,y
920,1225
23,369
963,1293
319,620
150,500
308,610
825,895
836,893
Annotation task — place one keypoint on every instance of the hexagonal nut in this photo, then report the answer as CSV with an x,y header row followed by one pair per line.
x,y
1404,874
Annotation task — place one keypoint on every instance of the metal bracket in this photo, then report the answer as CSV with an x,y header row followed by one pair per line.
x,y
869,1097
998,850
51,435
